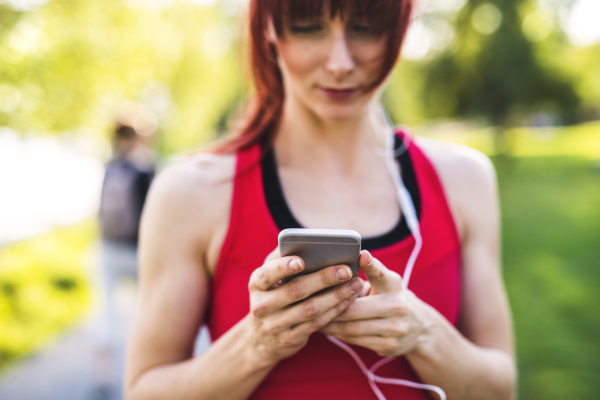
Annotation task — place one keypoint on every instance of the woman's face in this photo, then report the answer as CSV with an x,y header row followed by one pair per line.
x,y
327,64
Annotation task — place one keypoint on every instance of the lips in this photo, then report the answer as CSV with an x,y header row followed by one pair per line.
x,y
338,93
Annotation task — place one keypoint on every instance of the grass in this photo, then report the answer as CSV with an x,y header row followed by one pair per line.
x,y
44,288
551,236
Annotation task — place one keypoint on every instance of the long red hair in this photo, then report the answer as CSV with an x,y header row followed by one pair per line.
x,y
263,112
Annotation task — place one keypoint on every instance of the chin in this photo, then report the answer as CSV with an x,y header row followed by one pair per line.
x,y
339,112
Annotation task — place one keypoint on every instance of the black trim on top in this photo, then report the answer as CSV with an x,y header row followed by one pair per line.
x,y
284,219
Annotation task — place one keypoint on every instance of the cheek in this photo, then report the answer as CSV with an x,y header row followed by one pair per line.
x,y
370,55
298,59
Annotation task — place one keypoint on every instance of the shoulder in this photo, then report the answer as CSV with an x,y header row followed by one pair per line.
x,y
457,159
192,197
196,176
468,178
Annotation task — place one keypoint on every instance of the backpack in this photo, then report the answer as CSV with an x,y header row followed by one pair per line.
x,y
123,194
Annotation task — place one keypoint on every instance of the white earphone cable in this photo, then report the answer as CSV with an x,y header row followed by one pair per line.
x,y
409,212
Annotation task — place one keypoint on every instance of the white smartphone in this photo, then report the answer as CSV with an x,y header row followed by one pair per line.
x,y
321,248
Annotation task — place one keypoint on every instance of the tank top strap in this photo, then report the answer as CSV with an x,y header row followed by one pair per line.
x,y
437,218
441,256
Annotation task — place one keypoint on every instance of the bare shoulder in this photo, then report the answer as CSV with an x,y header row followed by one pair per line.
x,y
468,178
199,184
189,201
457,159
199,177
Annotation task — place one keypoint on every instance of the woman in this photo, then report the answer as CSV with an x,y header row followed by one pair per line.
x,y
310,156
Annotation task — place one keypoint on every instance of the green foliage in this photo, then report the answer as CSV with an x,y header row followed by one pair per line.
x,y
494,70
69,65
44,288
583,67
402,95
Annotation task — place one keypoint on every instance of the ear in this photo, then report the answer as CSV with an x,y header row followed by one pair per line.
x,y
271,36
270,32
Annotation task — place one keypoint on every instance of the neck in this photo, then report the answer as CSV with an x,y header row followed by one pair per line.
x,y
305,138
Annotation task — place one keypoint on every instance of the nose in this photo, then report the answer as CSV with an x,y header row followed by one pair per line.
x,y
340,62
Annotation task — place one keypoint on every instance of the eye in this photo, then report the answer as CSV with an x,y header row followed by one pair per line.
x,y
301,28
362,28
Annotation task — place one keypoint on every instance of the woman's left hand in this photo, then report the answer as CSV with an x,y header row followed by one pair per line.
x,y
386,318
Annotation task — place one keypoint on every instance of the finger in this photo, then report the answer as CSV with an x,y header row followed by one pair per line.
x,y
273,271
382,279
309,327
316,306
367,327
273,255
369,307
366,290
302,287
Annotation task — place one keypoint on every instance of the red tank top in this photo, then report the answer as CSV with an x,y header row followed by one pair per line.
x,y
321,370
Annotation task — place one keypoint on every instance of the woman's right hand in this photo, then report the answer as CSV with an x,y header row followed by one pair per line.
x,y
282,317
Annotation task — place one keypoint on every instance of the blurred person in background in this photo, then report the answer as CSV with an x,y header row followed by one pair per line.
x,y
126,182
310,155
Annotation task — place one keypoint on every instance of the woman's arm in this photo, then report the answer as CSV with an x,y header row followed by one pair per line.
x,y
477,361
185,207
174,284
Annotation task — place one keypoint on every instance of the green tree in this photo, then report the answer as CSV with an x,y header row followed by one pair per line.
x,y
494,70
67,65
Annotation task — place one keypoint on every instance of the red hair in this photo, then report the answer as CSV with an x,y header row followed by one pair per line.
x,y
263,112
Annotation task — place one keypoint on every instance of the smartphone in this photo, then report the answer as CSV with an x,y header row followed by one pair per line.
x,y
321,248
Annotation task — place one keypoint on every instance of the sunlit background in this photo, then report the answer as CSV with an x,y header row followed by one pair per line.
x,y
516,79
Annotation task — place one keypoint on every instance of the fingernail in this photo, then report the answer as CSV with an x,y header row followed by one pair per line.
x,y
356,285
342,273
295,265
370,260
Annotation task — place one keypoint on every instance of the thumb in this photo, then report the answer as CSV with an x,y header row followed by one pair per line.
x,y
382,280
